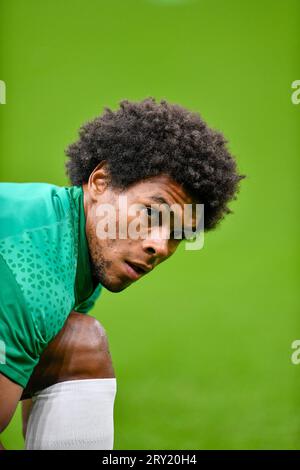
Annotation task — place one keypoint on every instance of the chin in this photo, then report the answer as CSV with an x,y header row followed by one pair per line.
x,y
111,287
111,281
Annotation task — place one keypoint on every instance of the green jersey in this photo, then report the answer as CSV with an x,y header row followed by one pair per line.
x,y
45,270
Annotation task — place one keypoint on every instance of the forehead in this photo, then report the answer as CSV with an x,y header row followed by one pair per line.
x,y
162,186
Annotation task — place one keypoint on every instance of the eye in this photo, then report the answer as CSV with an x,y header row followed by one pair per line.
x,y
150,211
153,214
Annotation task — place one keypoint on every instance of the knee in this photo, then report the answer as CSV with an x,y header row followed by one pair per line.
x,y
79,351
84,332
87,347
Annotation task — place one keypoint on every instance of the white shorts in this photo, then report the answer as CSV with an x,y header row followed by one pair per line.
x,y
77,414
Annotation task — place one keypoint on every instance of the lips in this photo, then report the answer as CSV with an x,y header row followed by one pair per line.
x,y
136,270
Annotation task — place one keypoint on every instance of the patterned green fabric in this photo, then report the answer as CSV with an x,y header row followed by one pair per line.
x,y
45,260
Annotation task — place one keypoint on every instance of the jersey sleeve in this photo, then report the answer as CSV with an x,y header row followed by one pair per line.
x,y
20,341
89,303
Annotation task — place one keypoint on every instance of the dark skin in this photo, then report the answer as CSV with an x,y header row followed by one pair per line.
x,y
110,258
79,351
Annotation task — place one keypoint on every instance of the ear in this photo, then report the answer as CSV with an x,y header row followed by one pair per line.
x,y
99,180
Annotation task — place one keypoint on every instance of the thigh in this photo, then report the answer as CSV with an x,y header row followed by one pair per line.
x,y
79,351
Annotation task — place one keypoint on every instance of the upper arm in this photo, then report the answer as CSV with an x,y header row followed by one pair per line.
x,y
20,344
10,394
20,340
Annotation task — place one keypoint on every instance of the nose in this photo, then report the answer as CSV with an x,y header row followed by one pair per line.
x,y
157,246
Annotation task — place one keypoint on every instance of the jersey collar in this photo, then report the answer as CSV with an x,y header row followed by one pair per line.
x,y
84,285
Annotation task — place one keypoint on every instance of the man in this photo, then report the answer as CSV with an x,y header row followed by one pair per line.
x,y
73,389
52,259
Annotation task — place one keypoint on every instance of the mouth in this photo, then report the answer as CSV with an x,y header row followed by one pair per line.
x,y
135,271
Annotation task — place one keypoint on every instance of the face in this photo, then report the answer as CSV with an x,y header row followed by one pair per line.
x,y
118,262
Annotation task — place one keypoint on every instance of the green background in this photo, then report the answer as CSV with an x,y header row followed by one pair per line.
x,y
201,347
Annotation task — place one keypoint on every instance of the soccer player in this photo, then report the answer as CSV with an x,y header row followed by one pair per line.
x,y
52,258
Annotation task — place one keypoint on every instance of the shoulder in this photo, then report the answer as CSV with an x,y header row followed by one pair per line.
x,y
38,233
26,206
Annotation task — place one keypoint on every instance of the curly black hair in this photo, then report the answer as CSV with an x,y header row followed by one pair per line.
x,y
145,139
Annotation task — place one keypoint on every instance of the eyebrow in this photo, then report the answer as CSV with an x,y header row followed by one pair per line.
x,y
159,199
